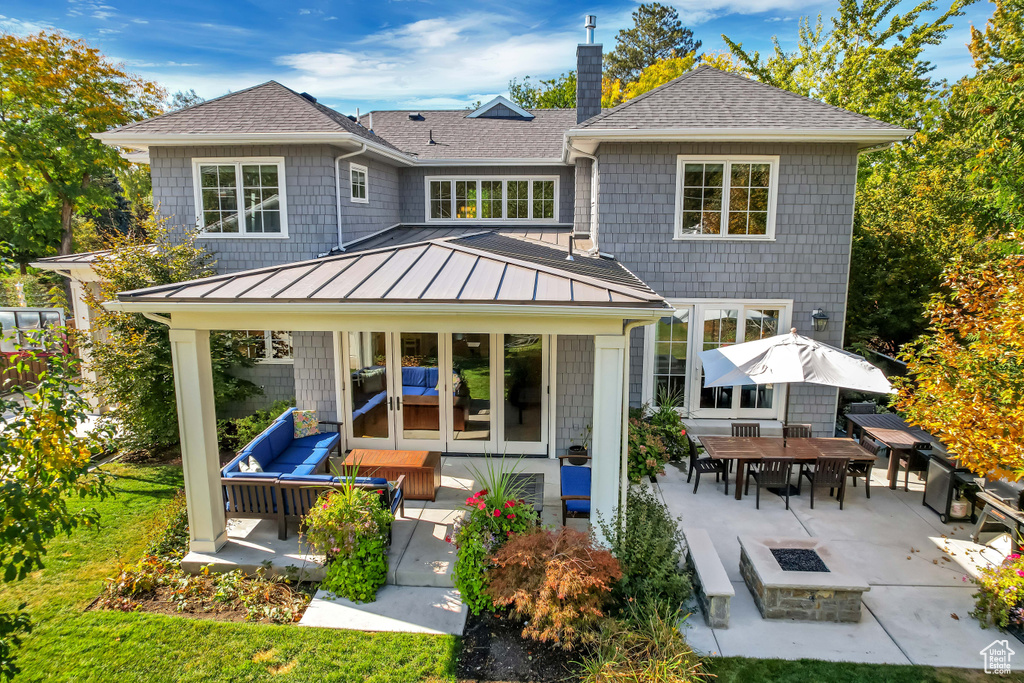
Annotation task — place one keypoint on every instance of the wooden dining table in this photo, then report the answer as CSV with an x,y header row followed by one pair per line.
x,y
891,430
744,450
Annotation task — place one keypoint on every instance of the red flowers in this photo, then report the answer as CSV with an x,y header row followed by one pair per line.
x,y
510,503
682,432
481,506
509,515
497,512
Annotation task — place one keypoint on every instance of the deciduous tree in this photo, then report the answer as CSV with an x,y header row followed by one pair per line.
x,y
55,92
554,93
966,383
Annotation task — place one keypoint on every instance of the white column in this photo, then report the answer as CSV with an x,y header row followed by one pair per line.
x,y
197,424
606,444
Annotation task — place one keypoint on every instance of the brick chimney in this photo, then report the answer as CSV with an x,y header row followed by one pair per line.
x,y
588,74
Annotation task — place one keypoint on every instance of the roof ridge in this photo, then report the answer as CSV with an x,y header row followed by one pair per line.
x,y
704,68
197,104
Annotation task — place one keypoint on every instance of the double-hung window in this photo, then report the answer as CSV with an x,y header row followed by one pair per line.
x,y
726,197
357,180
515,198
265,346
240,197
672,363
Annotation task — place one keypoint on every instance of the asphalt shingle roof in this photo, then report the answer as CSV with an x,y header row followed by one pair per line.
x,y
266,108
459,137
709,98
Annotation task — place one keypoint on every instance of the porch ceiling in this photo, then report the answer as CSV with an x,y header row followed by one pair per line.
x,y
475,269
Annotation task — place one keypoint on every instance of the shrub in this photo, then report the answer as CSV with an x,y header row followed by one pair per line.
x,y
645,647
1000,598
234,434
648,545
670,425
557,580
351,527
647,452
495,513
171,530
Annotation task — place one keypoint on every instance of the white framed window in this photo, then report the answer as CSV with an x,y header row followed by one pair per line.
x,y
252,187
515,198
266,346
671,362
725,197
357,181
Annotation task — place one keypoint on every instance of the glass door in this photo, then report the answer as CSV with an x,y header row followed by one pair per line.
x,y
471,421
369,402
419,387
524,393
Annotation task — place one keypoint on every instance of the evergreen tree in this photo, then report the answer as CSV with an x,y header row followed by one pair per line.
x,y
657,34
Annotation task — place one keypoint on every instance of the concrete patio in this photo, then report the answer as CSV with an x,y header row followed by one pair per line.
x,y
917,610
419,597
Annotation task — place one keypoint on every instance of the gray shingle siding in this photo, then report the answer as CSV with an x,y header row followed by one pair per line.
x,y
581,215
808,261
277,381
382,208
588,81
413,187
314,373
574,389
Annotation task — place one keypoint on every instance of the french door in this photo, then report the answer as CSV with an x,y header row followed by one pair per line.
x,y
459,393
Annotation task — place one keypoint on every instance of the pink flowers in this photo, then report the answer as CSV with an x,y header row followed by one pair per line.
x,y
497,512
481,506
510,503
509,515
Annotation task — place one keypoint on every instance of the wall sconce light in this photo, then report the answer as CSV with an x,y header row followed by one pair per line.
x,y
819,320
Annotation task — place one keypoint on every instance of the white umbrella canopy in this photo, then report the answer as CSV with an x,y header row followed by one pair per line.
x,y
790,358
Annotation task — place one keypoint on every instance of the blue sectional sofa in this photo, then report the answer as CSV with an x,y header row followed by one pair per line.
x,y
278,452
291,478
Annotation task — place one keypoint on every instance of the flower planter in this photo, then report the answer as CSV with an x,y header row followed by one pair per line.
x,y
581,455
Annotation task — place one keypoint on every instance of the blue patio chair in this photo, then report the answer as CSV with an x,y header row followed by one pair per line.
x,y
575,488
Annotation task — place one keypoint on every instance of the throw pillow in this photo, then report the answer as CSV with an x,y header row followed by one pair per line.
x,y
249,464
306,423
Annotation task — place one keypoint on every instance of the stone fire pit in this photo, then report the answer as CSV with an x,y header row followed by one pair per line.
x,y
803,591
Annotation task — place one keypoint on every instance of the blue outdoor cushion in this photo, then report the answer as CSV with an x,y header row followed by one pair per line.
x,y
576,482
317,441
280,436
430,392
376,400
261,450
251,475
412,390
296,456
301,471
577,505
311,478
414,377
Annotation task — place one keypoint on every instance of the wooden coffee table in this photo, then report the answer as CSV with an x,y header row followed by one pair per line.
x,y
422,469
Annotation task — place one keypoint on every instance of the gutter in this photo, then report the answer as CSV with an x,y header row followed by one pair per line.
x,y
337,188
865,136
593,189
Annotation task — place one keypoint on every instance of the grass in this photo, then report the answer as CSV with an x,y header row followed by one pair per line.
x,y
742,669
69,643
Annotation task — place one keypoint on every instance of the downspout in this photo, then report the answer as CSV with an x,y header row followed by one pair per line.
x,y
593,186
337,188
627,328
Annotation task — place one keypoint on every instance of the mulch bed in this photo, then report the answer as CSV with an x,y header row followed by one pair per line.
x,y
493,649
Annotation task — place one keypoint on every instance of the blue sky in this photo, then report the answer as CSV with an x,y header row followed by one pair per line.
x,y
396,54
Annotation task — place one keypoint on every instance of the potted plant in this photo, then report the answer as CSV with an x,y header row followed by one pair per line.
x,y
580,449
350,526
1000,597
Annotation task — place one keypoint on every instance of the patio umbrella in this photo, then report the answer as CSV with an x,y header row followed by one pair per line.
x,y
790,358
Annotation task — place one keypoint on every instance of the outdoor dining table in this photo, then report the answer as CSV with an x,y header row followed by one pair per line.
x,y
751,449
891,430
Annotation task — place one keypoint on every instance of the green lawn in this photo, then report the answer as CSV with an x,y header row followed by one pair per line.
x,y
742,670
71,644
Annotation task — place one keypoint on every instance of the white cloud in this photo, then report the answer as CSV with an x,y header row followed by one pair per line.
x,y
696,12
432,60
140,21
19,27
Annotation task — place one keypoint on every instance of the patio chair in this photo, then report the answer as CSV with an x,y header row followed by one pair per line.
x,y
910,460
863,469
796,431
828,471
705,465
769,472
574,488
746,429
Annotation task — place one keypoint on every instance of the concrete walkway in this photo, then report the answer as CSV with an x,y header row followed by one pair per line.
x,y
917,610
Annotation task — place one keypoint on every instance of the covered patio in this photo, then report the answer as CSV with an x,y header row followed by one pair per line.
x,y
496,287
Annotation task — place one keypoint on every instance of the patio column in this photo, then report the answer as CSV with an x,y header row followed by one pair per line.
x,y
609,409
197,424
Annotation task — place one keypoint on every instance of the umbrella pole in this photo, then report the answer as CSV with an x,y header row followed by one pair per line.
x,y
785,417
